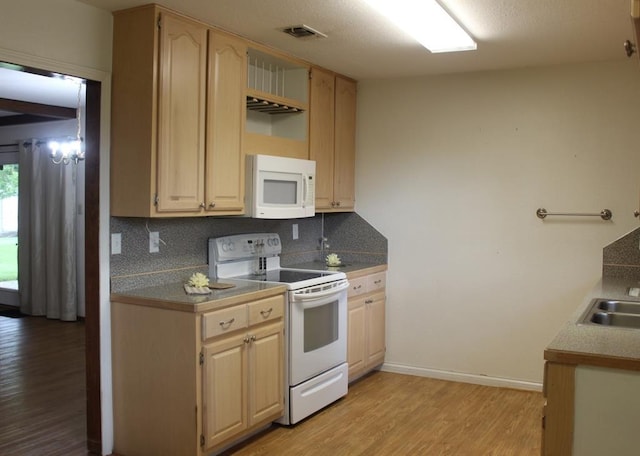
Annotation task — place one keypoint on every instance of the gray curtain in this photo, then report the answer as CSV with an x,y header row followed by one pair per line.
x,y
47,273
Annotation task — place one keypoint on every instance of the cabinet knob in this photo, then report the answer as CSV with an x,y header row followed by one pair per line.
x,y
338,203
636,213
333,204
629,48
212,204
246,339
202,205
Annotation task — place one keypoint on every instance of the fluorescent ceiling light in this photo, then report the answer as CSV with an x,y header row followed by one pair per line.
x,y
427,22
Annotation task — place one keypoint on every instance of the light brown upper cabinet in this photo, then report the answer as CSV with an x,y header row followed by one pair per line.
x,y
332,122
170,84
277,104
225,123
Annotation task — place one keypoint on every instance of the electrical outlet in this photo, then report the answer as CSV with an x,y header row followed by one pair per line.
x,y
116,243
154,241
295,231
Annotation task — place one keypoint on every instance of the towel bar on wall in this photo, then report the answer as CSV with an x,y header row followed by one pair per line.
x,y
605,214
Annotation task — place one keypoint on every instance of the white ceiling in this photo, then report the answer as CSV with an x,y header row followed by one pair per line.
x,y
363,45
18,85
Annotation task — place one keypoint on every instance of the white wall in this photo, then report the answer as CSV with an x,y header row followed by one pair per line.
x,y
65,31
452,169
70,37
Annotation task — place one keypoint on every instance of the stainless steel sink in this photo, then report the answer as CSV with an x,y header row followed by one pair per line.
x,y
616,319
629,307
612,313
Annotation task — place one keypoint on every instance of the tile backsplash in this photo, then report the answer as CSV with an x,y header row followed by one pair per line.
x,y
621,258
183,244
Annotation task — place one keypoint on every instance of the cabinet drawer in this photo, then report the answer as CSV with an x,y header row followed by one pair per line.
x,y
376,281
266,310
224,321
357,286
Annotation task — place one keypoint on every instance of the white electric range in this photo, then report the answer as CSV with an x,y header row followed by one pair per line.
x,y
315,318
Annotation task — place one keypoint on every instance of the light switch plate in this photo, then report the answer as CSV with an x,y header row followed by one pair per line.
x,y
116,243
154,241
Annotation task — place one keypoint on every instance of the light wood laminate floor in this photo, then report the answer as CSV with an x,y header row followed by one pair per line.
x,y
42,387
392,414
42,408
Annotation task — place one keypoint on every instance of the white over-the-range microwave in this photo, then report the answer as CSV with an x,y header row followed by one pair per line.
x,y
280,187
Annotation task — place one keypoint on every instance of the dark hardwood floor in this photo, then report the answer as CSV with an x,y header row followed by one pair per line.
x,y
42,387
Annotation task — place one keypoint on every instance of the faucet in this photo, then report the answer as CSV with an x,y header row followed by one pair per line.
x,y
324,246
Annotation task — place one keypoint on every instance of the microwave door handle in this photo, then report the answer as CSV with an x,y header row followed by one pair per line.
x,y
305,189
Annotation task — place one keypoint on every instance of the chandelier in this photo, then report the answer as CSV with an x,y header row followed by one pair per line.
x,y
65,151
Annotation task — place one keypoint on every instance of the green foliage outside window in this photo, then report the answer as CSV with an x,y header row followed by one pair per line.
x,y
9,181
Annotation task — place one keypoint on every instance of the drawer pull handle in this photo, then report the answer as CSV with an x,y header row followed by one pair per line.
x,y
266,313
377,281
358,287
226,324
368,301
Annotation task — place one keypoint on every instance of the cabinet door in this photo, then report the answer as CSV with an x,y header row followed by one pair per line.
x,y
356,322
345,144
181,114
224,389
321,134
225,123
376,344
266,373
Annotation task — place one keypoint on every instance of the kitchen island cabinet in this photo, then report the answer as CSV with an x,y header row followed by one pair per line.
x,y
332,140
164,109
591,378
366,344
190,379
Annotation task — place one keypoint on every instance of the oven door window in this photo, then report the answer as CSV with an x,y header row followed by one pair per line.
x,y
320,326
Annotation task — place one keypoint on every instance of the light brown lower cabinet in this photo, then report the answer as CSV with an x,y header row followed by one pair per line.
x,y
242,380
189,383
366,342
557,415
591,410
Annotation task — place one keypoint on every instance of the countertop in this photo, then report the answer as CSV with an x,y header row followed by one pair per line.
x,y
172,295
595,345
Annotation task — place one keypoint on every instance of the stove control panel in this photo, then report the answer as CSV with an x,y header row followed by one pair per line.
x,y
244,246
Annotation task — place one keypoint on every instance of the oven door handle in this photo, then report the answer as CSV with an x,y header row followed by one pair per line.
x,y
301,296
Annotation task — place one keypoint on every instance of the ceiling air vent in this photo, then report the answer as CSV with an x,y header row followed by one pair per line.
x,y
303,31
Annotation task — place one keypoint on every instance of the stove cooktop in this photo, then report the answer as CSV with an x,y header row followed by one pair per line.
x,y
286,275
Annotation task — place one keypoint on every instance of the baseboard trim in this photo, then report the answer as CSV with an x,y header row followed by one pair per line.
x,y
461,377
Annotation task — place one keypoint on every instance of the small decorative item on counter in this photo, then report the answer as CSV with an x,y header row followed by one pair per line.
x,y
333,260
198,284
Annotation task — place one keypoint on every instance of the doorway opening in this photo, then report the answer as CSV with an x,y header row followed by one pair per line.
x,y
90,215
